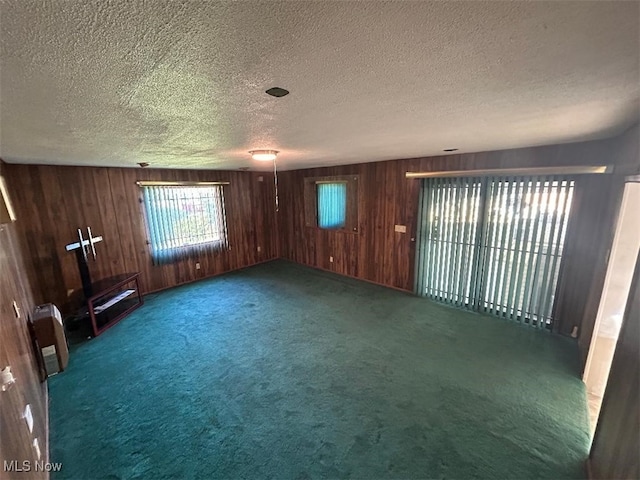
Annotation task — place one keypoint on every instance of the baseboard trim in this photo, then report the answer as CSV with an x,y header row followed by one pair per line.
x,y
158,290
348,276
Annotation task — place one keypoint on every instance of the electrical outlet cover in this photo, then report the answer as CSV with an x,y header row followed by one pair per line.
x,y
28,417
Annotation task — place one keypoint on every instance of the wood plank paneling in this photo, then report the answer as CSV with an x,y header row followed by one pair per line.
x,y
385,257
16,350
58,200
614,453
589,237
625,151
387,198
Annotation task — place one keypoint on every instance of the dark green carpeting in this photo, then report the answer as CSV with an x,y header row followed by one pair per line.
x,y
279,371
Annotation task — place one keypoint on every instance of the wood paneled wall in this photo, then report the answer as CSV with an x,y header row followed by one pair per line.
x,y
626,151
616,445
590,233
387,198
52,202
16,350
376,253
379,254
591,230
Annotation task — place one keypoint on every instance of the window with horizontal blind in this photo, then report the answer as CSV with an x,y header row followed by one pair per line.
x,y
184,220
494,244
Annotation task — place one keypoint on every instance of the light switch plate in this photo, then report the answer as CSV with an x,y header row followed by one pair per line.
x,y
28,417
401,228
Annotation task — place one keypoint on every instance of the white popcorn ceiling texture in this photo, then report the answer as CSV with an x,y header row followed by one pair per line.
x,y
181,83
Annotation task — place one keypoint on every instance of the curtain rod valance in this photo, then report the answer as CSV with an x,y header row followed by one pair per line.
x,y
144,183
567,170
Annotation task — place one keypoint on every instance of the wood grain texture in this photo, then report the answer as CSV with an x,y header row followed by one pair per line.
x,y
592,221
56,201
616,444
625,150
310,193
380,255
16,350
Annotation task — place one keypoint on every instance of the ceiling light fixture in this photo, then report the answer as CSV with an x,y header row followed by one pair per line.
x,y
264,155
268,156
450,150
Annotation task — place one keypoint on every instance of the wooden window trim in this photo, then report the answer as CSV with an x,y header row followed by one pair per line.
x,y
352,220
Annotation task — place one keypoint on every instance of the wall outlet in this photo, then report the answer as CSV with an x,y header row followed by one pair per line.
x,y
331,259
259,248
36,448
28,417
197,265
400,228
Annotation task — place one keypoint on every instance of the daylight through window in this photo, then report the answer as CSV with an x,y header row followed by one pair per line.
x,y
332,204
184,220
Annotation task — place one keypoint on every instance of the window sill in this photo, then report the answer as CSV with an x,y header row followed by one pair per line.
x,y
335,230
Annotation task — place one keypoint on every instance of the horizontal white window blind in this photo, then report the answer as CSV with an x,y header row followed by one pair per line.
x,y
494,244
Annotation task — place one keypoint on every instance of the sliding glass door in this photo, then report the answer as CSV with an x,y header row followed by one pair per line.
x,y
493,244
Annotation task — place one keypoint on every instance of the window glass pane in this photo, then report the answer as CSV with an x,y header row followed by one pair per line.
x,y
332,205
494,244
182,219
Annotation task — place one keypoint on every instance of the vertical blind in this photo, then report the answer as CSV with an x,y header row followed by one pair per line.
x,y
332,204
494,244
184,220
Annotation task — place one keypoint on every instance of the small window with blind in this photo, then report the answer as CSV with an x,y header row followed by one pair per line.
x,y
184,220
331,203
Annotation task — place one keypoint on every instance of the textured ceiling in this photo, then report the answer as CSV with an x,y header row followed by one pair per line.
x,y
181,83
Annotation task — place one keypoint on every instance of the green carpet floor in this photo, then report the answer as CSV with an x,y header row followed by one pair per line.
x,y
280,371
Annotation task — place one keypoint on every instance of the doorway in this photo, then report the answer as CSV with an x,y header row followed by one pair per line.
x,y
494,244
613,301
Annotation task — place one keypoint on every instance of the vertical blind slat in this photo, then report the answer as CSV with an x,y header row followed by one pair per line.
x,y
422,240
525,254
459,242
511,264
495,250
451,205
453,232
542,256
332,201
184,221
436,235
548,246
430,253
563,203
486,199
531,248
493,244
507,221
519,254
